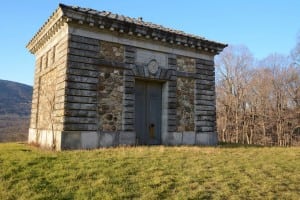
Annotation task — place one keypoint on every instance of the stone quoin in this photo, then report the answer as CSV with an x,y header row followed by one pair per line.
x,y
103,79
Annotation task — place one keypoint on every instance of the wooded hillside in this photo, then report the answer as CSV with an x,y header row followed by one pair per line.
x,y
15,104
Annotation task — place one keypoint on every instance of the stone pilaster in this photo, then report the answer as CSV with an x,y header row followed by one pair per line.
x,y
172,96
129,82
81,83
205,109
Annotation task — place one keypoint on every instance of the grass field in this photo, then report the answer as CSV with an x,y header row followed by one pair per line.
x,y
150,173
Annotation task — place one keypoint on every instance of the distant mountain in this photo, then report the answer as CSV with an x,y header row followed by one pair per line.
x,y
15,98
15,105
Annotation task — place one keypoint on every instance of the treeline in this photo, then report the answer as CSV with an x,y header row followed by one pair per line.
x,y
13,128
258,102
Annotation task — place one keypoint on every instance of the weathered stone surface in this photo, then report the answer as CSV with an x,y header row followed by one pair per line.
x,y
205,77
83,72
171,128
205,118
145,56
206,139
110,92
205,102
47,139
175,138
84,40
80,106
80,99
205,72
81,120
84,53
205,124
205,82
108,139
83,66
84,46
127,138
186,64
80,127
188,138
81,113
206,108
82,86
202,62
76,92
46,99
186,74
32,138
127,127
89,140
71,140
185,104
82,79
205,112
111,51
84,60
206,128
206,95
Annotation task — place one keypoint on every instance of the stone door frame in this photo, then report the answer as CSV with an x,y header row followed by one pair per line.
x,y
165,74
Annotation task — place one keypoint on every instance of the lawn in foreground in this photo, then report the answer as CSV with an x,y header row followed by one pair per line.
x,y
150,173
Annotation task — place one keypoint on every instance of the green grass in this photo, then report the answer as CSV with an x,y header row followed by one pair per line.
x,y
150,173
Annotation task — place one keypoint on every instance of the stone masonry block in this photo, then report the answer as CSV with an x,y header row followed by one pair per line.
x,y
108,139
127,138
71,140
188,138
175,138
89,140
206,139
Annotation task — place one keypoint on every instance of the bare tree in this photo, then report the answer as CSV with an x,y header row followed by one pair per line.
x,y
257,102
233,75
295,53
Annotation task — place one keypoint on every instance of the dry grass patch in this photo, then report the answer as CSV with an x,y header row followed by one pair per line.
x,y
150,173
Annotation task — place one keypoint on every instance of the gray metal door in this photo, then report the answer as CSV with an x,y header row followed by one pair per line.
x,y
148,112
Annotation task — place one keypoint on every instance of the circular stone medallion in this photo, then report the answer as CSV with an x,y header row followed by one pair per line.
x,y
153,66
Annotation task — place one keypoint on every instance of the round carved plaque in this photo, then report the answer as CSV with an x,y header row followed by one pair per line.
x,y
153,66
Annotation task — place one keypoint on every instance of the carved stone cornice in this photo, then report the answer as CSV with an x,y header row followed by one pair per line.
x,y
107,21
50,27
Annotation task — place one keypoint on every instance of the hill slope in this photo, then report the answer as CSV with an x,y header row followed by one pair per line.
x,y
15,105
155,172
15,98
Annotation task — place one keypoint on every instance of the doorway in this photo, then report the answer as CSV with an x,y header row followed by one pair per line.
x,y
148,111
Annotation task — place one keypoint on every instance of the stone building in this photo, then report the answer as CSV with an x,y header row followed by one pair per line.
x,y
103,79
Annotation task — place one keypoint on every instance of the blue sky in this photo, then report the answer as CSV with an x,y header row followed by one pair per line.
x,y
264,26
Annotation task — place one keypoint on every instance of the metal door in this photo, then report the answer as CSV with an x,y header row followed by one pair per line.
x,y
148,107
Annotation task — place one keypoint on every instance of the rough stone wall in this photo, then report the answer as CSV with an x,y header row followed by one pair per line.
x,y
185,94
185,104
110,88
95,88
110,99
186,64
111,51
